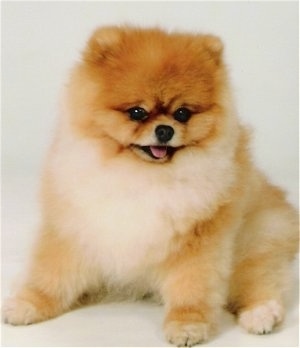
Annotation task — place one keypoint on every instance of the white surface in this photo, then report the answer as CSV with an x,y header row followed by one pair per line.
x,y
41,41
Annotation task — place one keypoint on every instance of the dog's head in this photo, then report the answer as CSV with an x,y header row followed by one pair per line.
x,y
151,93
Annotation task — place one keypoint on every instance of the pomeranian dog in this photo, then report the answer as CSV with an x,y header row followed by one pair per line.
x,y
149,188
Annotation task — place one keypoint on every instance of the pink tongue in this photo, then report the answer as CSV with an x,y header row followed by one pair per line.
x,y
159,151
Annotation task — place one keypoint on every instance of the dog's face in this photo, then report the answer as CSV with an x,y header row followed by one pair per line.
x,y
151,93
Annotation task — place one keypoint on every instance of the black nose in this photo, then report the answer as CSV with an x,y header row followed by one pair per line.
x,y
164,133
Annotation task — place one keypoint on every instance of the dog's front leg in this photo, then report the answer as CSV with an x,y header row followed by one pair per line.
x,y
195,284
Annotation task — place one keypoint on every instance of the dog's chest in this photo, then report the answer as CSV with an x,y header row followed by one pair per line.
x,y
131,224
124,216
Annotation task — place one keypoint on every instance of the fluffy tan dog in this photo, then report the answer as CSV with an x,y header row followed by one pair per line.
x,y
149,188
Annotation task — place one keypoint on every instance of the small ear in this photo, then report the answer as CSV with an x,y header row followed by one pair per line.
x,y
102,44
215,47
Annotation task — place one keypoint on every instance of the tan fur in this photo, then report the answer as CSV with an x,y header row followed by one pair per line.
x,y
200,229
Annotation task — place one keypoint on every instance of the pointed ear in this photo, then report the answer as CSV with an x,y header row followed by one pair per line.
x,y
102,44
214,46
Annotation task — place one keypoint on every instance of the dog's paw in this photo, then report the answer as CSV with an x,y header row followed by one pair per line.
x,y
184,334
16,311
261,319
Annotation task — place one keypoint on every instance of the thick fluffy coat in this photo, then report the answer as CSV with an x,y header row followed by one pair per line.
x,y
149,188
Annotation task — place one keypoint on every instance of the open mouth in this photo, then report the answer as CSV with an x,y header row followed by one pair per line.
x,y
158,152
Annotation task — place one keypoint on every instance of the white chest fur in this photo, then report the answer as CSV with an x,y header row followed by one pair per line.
x,y
124,214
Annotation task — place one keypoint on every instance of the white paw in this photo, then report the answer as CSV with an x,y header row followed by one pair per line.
x,y
16,311
186,334
263,318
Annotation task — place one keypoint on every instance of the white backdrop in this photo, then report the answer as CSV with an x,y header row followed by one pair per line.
x,y
42,40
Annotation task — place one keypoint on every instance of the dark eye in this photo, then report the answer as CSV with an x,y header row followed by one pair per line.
x,y
137,114
182,115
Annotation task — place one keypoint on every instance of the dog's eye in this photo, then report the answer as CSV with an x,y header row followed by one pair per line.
x,y
137,113
182,115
